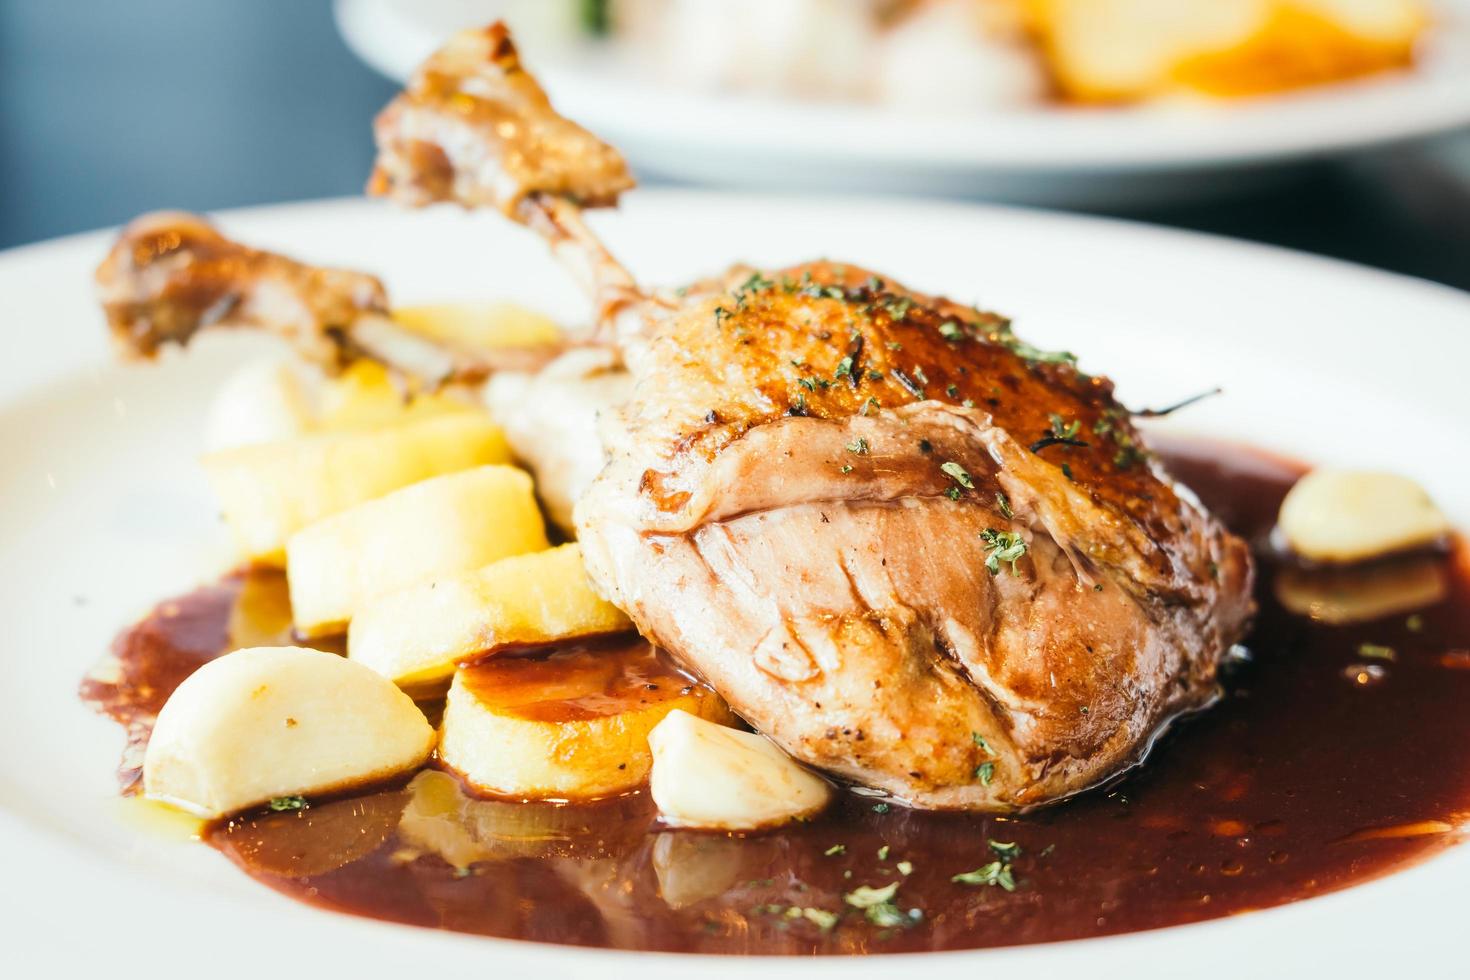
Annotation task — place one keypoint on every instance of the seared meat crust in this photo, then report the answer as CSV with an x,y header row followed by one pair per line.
x,y
815,500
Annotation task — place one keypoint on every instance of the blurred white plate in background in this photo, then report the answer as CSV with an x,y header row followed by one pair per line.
x,y
106,513
1087,157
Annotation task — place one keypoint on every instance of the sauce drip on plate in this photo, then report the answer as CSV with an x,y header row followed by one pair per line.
x,y
1337,753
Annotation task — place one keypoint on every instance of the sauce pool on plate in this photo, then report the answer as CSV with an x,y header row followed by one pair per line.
x,y
1337,753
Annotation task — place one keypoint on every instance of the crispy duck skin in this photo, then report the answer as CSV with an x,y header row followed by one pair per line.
x,y
171,275
911,549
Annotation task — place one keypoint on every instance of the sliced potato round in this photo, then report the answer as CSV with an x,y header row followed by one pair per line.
x,y
717,778
416,636
1344,516
269,492
439,526
268,722
570,725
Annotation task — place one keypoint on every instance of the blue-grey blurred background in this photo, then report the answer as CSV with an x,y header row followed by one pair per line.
x,y
109,108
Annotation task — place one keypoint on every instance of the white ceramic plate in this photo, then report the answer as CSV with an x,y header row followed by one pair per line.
x,y
105,513
1092,157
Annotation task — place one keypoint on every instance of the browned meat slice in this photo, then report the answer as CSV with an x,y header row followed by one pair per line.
x,y
908,547
171,275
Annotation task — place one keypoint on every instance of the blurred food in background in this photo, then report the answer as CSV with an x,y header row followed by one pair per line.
x,y
957,53
1103,104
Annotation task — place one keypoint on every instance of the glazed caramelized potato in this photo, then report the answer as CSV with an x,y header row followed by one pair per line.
x,y
269,492
480,326
1112,50
416,636
572,724
440,526
364,396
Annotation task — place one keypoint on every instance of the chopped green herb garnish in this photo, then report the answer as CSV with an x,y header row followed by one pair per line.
x,y
980,741
985,772
858,445
1127,456
954,493
994,873
881,808
952,391
1004,546
835,849
950,330
865,897
821,918
755,284
1375,651
844,368
883,853
846,468
1062,429
1005,851
888,916
1004,504
905,868
957,473
282,803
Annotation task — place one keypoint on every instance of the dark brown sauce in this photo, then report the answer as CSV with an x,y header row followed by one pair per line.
x,y
583,680
1320,768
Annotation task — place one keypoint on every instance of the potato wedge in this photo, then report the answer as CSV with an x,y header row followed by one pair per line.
x,y
270,722
365,397
717,778
415,637
439,526
267,493
480,325
573,724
